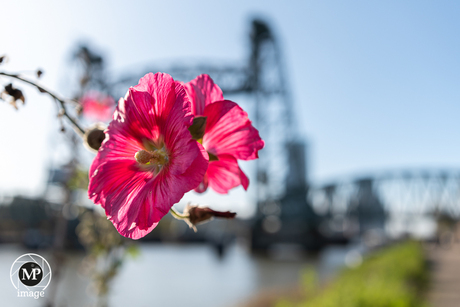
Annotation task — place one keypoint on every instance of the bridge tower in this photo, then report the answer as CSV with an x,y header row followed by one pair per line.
x,y
367,207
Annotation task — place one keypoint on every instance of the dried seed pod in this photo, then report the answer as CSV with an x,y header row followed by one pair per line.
x,y
12,95
94,137
3,59
198,215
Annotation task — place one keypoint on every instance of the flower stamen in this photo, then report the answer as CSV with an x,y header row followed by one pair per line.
x,y
157,158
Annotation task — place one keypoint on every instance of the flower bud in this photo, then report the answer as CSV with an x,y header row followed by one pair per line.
x,y
94,137
198,215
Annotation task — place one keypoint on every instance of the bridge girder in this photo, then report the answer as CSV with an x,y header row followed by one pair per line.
x,y
418,191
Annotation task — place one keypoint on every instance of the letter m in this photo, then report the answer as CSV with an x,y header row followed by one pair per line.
x,y
32,274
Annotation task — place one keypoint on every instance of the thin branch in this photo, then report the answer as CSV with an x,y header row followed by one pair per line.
x,y
61,101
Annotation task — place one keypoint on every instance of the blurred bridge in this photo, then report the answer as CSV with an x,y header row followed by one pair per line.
x,y
259,81
407,191
381,205
289,208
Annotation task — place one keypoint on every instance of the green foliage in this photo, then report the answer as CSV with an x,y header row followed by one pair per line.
x,y
309,281
106,250
394,277
79,180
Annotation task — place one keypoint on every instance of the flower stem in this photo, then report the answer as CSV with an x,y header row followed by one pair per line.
x,y
61,101
178,215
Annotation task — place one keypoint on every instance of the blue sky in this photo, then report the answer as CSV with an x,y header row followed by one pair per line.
x,y
375,84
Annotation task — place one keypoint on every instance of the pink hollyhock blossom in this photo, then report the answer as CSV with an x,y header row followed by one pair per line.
x,y
228,136
148,159
97,105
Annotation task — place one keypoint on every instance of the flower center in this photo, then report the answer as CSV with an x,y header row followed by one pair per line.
x,y
157,158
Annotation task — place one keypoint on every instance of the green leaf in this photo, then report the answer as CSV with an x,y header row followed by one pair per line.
x,y
198,127
212,157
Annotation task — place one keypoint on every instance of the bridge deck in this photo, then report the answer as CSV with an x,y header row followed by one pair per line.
x,y
445,288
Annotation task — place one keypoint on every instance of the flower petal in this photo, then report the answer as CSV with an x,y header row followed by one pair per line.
x,y
134,117
195,173
119,150
183,149
230,132
225,174
161,92
139,212
114,180
203,186
202,91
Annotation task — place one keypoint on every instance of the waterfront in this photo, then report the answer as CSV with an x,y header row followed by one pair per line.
x,y
180,275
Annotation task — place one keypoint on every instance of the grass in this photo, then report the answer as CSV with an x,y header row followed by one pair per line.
x,y
393,277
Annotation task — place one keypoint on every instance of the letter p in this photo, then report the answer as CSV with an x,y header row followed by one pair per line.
x,y
35,272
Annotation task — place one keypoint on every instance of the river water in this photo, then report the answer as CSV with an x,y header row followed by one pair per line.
x,y
179,275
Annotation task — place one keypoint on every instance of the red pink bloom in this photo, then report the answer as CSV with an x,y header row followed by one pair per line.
x,y
228,136
149,159
97,105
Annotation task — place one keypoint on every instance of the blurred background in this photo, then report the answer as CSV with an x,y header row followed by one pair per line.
x,y
358,103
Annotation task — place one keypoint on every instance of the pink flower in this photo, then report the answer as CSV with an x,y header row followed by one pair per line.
x,y
97,105
228,136
148,159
